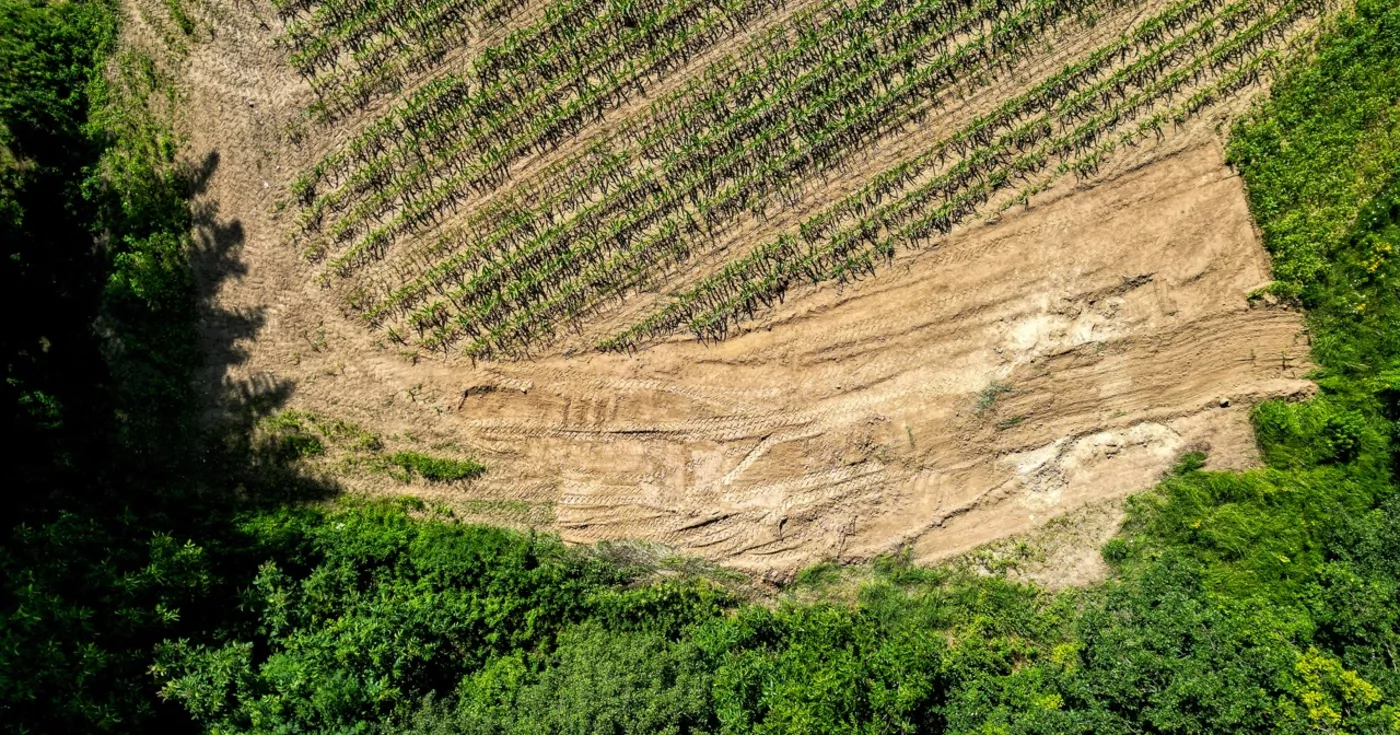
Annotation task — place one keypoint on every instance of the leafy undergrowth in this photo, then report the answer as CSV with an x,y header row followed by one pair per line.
x,y
346,448
436,469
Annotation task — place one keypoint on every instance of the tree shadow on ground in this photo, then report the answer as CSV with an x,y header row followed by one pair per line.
x,y
248,464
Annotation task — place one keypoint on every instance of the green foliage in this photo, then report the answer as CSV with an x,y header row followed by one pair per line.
x,y
296,445
335,430
1190,462
1325,145
818,575
1320,159
181,18
437,469
369,616
596,681
53,375
148,298
381,609
70,625
49,52
824,669
299,434
1258,533
99,362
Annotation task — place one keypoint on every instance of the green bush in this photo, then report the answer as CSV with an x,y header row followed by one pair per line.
x,y
296,445
437,469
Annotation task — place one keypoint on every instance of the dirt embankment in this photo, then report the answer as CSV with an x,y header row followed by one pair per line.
x,y
1065,355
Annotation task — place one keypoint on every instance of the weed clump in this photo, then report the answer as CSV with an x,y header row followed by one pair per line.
x,y
437,469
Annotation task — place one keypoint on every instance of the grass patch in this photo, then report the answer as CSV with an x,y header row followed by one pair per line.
x,y
437,469
337,432
498,507
298,445
509,511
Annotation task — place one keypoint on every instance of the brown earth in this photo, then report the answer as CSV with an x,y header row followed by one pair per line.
x,y
1064,355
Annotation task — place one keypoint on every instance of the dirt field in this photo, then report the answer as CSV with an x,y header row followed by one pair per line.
x,y
1064,355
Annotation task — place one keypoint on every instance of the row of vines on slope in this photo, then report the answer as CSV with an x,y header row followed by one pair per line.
x,y
538,181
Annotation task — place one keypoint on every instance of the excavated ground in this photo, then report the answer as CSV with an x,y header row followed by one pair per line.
x,y
1063,356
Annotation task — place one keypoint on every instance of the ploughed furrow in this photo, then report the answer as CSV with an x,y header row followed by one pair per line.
x,y
460,135
419,211
729,164
771,57
1068,124
353,51
523,185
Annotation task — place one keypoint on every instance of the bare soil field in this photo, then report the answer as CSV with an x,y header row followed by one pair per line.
x,y
1060,354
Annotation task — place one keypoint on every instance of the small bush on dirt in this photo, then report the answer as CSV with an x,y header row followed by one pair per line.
x,y
437,469
988,396
296,445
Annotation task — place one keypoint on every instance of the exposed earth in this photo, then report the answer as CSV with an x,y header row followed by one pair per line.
x,y
1065,354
